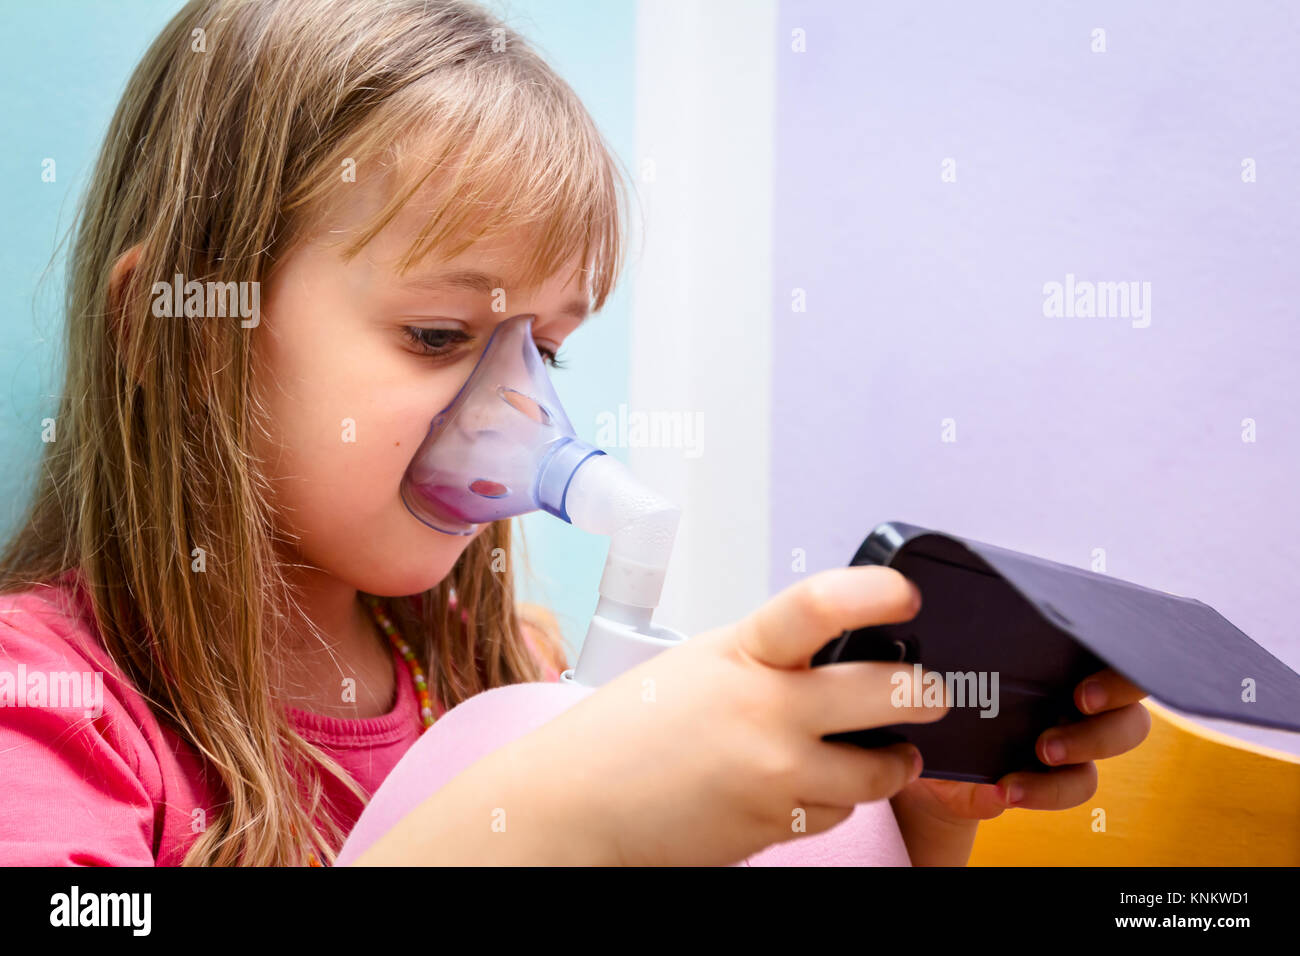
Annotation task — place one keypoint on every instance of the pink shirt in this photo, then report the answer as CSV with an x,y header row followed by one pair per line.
x,y
113,786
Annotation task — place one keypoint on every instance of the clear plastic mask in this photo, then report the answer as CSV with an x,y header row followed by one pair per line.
x,y
503,447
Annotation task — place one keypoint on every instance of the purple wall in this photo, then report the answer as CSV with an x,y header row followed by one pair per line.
x,y
925,298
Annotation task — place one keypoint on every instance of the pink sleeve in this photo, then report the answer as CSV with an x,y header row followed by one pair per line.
x,y
72,792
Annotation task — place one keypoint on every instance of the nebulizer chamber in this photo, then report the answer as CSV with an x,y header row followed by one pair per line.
x,y
505,447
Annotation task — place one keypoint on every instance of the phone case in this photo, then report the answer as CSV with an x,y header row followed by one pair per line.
x,y
1013,635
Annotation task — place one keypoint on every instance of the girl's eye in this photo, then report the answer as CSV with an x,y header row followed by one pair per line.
x,y
435,343
438,343
550,358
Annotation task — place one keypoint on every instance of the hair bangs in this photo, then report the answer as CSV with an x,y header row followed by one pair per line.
x,y
525,160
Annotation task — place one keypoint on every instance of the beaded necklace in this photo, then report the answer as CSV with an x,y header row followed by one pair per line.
x,y
417,673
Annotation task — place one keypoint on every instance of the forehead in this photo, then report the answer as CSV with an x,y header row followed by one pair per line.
x,y
490,262
489,265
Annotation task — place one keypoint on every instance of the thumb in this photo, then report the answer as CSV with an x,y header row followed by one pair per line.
x,y
791,627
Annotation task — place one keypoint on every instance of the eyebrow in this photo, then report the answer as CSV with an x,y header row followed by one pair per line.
x,y
471,280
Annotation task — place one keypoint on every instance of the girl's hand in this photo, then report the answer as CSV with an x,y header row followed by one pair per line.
x,y
939,816
712,750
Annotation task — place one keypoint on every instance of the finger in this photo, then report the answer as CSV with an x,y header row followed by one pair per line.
x,y
792,626
844,775
1106,735
856,695
1057,789
979,801
1106,690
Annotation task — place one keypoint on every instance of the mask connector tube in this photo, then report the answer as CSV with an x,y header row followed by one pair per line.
x,y
605,498
556,474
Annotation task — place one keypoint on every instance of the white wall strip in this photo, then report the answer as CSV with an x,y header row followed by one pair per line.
x,y
701,326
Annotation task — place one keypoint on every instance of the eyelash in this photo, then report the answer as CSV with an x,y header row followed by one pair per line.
x,y
416,336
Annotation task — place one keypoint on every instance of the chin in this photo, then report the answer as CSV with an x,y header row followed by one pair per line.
x,y
401,581
420,562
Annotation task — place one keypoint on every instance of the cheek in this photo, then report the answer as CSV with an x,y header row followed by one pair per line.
x,y
338,491
342,432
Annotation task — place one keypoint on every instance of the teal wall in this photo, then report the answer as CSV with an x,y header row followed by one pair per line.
x,y
63,66
593,46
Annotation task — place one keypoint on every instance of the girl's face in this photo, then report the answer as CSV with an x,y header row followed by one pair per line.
x,y
354,361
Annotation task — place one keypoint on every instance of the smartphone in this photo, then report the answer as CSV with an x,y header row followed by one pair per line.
x,y
1009,671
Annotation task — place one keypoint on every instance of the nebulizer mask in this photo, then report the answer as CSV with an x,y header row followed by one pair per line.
x,y
504,447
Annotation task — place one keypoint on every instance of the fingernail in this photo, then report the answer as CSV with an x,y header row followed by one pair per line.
x,y
1013,794
916,597
917,766
1054,751
1094,696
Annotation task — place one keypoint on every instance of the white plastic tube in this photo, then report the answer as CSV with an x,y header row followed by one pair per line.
x,y
603,497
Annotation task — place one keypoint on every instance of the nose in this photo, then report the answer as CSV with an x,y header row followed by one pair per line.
x,y
477,418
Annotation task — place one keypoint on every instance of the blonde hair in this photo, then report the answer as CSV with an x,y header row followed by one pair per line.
x,y
227,144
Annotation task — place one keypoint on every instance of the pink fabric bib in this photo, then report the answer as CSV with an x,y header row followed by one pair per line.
x,y
482,724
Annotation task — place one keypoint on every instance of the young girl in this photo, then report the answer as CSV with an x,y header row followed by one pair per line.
x,y
306,220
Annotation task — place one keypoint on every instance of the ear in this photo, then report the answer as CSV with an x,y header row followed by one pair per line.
x,y
123,268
